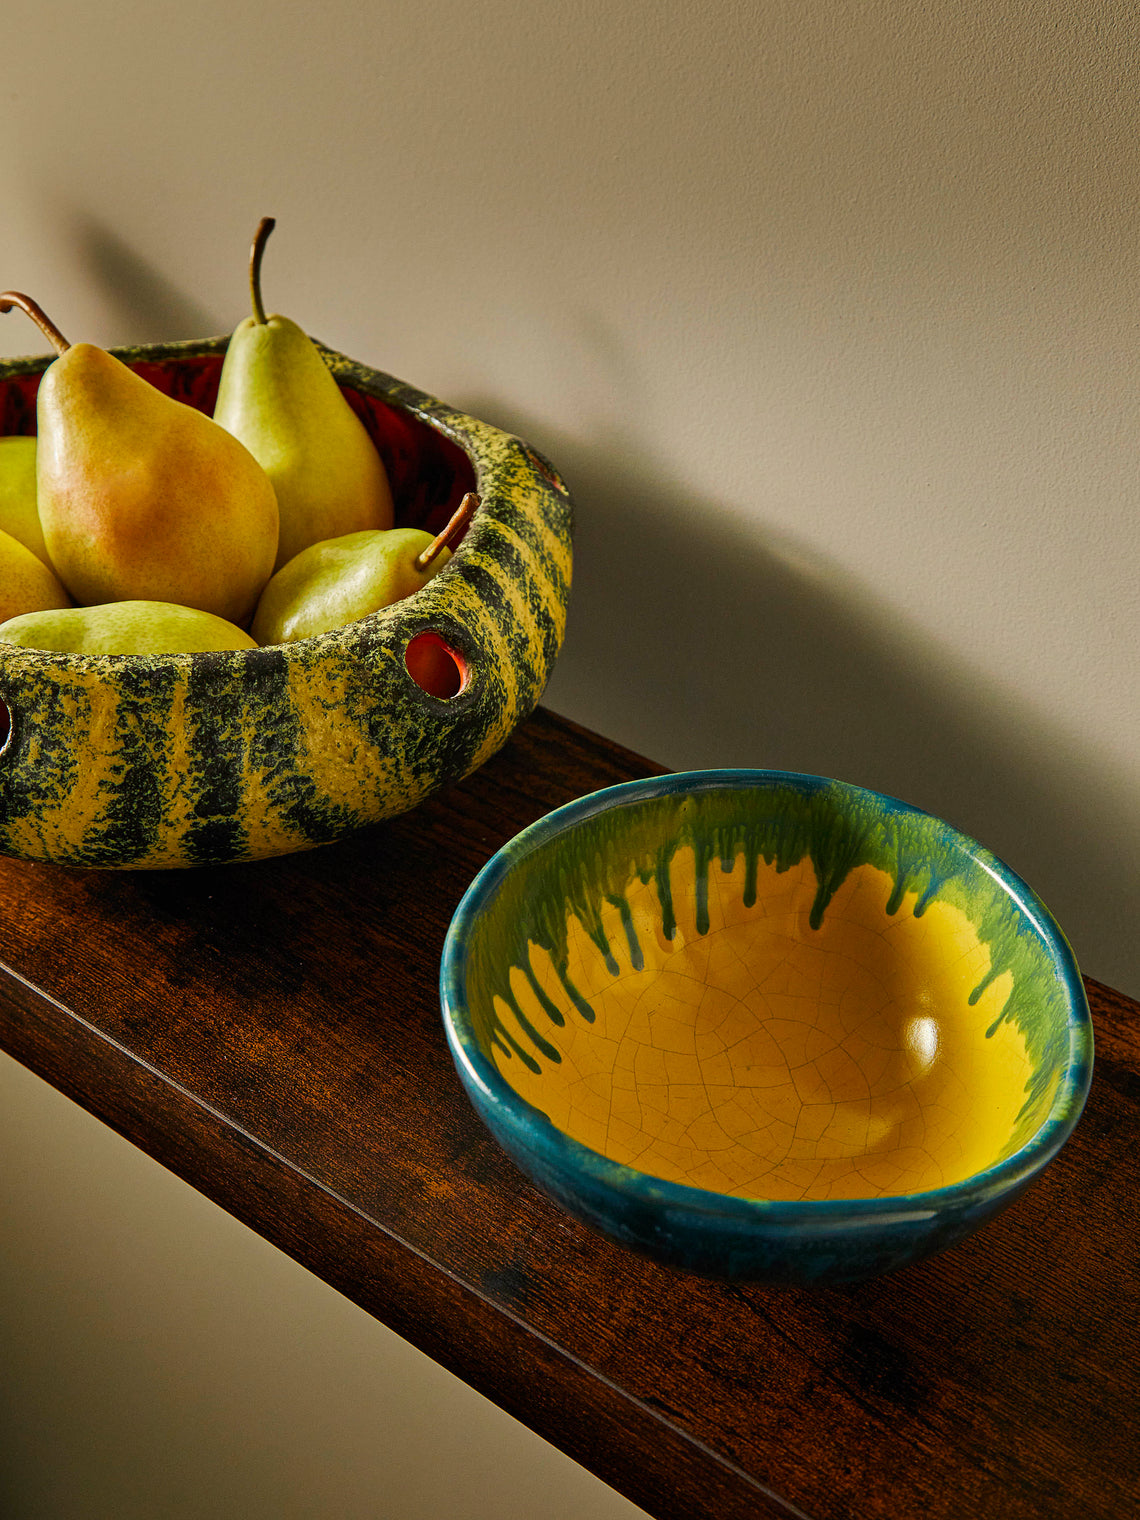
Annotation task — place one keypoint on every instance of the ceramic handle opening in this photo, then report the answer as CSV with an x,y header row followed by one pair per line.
x,y
5,725
435,666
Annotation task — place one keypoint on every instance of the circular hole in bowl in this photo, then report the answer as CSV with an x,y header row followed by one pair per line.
x,y
544,468
434,666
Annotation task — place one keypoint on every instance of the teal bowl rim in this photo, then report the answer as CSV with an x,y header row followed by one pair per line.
x,y
559,1152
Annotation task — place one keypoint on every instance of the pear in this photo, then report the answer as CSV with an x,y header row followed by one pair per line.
x,y
19,515
343,579
279,397
141,496
130,627
26,583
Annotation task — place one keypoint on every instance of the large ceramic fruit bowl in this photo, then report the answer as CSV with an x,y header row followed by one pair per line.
x,y
183,760
766,1026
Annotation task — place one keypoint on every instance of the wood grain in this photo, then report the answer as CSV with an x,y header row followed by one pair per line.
x,y
271,1033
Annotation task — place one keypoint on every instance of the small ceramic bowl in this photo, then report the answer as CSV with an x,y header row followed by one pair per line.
x,y
766,1026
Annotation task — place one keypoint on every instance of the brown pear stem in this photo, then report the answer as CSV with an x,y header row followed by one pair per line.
x,y
260,238
50,331
452,533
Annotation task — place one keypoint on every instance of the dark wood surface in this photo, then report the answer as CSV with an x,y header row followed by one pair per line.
x,y
271,1033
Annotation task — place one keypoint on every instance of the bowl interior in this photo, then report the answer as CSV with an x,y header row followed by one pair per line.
x,y
429,473
774,987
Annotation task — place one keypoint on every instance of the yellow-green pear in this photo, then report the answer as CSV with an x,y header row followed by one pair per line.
x,y
340,580
343,579
141,497
19,515
134,627
26,583
280,398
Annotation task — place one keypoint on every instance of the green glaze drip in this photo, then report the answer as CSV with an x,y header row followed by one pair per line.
x,y
703,857
621,903
665,893
838,828
551,1010
510,1046
540,1043
580,1003
751,875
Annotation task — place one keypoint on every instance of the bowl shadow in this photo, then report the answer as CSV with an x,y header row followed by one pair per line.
x,y
703,641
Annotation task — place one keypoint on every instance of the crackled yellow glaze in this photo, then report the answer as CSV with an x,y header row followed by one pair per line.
x,y
767,1058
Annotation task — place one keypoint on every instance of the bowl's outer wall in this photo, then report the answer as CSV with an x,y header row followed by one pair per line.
x,y
182,760
821,1247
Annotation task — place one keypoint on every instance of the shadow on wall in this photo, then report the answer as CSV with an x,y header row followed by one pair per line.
x,y
146,306
700,642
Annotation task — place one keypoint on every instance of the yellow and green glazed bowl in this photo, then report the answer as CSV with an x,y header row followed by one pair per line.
x,y
766,1026
202,759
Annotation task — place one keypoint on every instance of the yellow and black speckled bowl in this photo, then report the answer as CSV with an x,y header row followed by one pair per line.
x,y
202,759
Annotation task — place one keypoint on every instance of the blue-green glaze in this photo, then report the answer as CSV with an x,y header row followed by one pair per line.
x,y
585,854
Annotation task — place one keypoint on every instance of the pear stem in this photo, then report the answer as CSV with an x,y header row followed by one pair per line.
x,y
50,331
451,534
260,238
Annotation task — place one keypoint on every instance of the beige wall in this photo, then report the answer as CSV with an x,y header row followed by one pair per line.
x,y
159,1361
828,311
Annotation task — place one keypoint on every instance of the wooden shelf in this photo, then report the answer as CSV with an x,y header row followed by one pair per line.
x,y
271,1033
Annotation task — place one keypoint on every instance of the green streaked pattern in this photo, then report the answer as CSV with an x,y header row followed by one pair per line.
x,y
202,759
574,874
